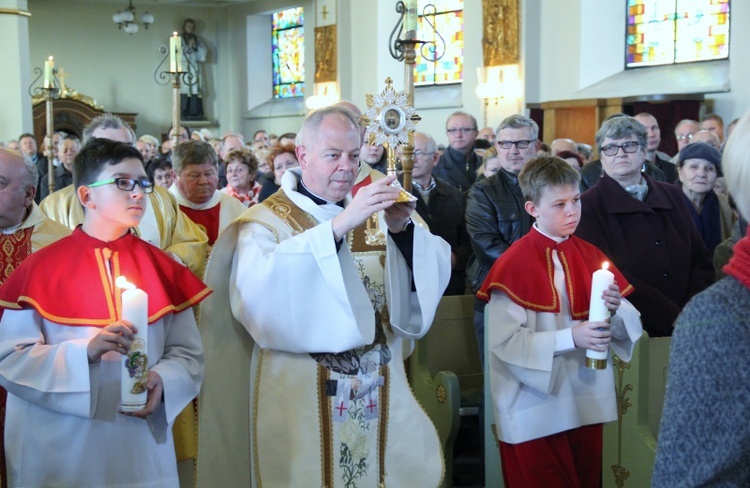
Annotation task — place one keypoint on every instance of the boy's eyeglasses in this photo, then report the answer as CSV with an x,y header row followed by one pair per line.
x,y
508,144
628,148
126,184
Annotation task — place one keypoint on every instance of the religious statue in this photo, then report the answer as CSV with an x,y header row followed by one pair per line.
x,y
194,55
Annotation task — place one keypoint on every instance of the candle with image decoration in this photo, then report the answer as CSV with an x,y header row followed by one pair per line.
x,y
134,373
598,312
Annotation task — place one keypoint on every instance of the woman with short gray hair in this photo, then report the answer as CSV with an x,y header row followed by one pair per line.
x,y
644,227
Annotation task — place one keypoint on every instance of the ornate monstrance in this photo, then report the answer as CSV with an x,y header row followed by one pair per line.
x,y
391,120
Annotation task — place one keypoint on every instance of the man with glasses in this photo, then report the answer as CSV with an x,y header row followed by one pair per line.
x,y
196,168
495,214
644,227
441,206
459,163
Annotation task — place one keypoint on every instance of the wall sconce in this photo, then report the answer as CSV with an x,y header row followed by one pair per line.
x,y
325,94
498,83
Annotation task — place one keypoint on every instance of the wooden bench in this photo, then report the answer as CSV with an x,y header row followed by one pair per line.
x,y
445,372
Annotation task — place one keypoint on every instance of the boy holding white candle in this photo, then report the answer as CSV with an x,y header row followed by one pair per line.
x,y
548,405
63,340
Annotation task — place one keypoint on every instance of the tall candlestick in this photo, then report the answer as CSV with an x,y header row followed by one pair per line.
x,y
598,312
410,19
133,394
49,67
175,53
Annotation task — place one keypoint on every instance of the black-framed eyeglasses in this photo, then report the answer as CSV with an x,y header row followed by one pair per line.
x,y
627,147
522,144
423,154
462,130
126,184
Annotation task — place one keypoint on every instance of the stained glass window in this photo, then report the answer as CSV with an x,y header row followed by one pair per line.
x,y
288,45
676,31
447,17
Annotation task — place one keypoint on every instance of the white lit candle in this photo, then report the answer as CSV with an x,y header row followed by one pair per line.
x,y
49,67
598,312
175,53
410,20
133,394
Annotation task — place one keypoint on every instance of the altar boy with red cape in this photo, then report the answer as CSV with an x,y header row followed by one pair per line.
x,y
62,340
548,405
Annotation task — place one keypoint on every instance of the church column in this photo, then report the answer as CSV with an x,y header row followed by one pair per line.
x,y
15,69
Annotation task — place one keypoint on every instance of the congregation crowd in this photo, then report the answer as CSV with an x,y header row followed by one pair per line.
x,y
292,284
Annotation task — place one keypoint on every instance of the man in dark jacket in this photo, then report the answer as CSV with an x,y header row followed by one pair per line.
x,y
442,207
495,214
459,163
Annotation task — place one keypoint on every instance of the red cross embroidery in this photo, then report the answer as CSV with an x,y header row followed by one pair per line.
x,y
372,405
341,408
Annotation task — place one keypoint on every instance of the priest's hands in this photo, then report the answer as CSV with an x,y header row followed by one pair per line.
x,y
155,387
376,196
117,336
592,335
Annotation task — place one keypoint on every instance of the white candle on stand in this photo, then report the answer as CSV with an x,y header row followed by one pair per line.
x,y
598,312
134,372
49,67
175,53
410,19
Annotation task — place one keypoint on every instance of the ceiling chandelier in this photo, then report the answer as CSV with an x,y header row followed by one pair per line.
x,y
125,19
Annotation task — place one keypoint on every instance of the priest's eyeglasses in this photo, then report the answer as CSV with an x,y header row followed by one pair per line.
x,y
126,184
627,147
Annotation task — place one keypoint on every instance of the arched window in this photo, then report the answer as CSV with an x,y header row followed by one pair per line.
x,y
447,16
288,45
676,31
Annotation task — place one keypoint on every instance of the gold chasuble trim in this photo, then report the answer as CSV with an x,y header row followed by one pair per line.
x,y
296,218
326,425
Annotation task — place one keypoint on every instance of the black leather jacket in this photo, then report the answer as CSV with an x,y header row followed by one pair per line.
x,y
495,219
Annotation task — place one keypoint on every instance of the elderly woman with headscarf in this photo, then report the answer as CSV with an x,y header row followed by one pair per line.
x,y
699,167
704,433
644,227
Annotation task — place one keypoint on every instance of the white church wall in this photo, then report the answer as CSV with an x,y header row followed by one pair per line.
x,y
115,68
581,55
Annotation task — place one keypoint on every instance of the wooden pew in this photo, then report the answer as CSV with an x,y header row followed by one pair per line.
x,y
630,443
444,368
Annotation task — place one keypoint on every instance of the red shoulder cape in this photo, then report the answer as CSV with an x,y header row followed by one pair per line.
x,y
67,282
525,272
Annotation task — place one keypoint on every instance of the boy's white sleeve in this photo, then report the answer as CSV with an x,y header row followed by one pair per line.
x,y
528,355
626,329
57,377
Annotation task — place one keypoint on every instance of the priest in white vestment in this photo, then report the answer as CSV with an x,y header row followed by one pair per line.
x,y
305,382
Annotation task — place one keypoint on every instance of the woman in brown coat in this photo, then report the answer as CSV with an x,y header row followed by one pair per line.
x,y
645,227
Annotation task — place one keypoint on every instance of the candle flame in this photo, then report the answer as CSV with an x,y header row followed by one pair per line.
x,y
122,282
51,58
605,265
174,34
